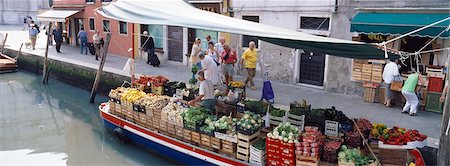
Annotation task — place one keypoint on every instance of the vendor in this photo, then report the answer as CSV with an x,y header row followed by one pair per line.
x,y
206,93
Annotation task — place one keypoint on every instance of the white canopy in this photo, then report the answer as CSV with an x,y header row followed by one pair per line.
x,y
56,15
180,13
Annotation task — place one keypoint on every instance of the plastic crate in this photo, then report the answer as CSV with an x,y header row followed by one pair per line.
x,y
435,84
433,103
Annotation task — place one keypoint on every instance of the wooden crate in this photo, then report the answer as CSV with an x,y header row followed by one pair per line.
x,y
394,156
205,140
228,147
171,129
142,118
357,70
307,163
187,135
149,122
179,131
357,76
366,74
136,117
195,137
215,143
142,124
155,123
243,145
112,106
369,94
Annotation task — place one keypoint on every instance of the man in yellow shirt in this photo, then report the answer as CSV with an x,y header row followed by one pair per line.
x,y
250,57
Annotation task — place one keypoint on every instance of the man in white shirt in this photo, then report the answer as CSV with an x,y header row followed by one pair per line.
x,y
389,73
210,68
219,45
205,94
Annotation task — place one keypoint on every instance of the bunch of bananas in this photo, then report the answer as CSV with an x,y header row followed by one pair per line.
x,y
237,84
132,95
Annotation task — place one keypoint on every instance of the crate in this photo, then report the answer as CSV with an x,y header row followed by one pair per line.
x,y
162,125
187,135
136,116
158,90
257,157
179,132
377,78
149,122
331,128
118,107
433,104
275,120
369,94
340,163
171,129
156,123
142,118
393,156
243,145
297,121
435,84
195,137
307,163
256,162
215,143
205,140
366,74
228,147
112,106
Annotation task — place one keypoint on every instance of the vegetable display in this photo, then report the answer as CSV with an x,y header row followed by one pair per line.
x,y
400,136
154,102
299,108
260,144
285,132
347,155
276,112
249,123
132,95
209,125
378,130
117,93
330,151
194,117
172,113
257,107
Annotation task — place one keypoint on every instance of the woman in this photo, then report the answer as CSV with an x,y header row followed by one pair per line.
x,y
196,49
213,53
408,91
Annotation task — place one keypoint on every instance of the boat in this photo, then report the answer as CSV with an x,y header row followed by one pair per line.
x,y
7,64
172,148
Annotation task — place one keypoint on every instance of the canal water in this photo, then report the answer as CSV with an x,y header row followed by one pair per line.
x,y
56,125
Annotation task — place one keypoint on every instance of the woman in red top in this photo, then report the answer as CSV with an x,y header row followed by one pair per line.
x,y
228,60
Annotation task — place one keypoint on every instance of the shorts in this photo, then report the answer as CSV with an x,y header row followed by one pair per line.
x,y
388,91
228,69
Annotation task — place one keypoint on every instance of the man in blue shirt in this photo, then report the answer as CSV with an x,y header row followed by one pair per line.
x,y
57,35
82,36
33,35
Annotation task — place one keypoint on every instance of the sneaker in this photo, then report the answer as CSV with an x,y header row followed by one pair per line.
x,y
405,112
412,114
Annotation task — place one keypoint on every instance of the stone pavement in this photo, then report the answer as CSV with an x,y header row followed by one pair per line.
x,y
426,122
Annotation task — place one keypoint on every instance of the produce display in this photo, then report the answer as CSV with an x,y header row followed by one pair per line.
x,y
194,117
285,132
172,112
310,143
330,151
236,84
132,95
400,136
209,125
249,123
347,155
299,108
260,145
153,102
338,116
117,93
276,112
257,107
152,80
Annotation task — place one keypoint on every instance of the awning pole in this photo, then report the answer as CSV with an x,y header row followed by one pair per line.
x,y
417,30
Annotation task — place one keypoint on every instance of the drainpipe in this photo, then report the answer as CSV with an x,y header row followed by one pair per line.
x,y
132,40
336,5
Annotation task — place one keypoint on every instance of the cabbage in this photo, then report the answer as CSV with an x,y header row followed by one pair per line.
x,y
341,155
344,147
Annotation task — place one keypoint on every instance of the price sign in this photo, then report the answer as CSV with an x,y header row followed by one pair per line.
x,y
331,128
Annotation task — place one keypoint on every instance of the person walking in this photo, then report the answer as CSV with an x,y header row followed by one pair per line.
x,y
390,72
408,91
57,35
96,38
205,93
32,31
196,50
36,26
210,68
149,46
228,59
83,39
249,58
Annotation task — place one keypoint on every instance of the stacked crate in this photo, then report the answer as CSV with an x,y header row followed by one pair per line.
x,y
187,137
195,137
179,132
205,140
357,70
216,143
228,148
243,145
257,157
112,106
366,74
377,73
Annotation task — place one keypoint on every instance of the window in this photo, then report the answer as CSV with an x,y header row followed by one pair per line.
x,y
103,1
106,26
156,32
246,39
315,23
123,28
90,1
91,24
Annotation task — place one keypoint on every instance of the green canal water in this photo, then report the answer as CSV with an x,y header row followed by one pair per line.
x,y
55,124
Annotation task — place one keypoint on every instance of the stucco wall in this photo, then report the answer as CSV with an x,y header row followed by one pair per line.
x,y
13,11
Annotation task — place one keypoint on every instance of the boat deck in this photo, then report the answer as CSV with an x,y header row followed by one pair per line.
x,y
7,64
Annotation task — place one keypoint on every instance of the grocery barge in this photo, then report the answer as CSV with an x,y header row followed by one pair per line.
x,y
178,150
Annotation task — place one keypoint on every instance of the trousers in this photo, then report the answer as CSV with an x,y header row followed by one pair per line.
x,y
411,102
251,72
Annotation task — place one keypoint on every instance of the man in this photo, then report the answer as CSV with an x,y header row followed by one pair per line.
x,y
82,37
205,94
57,35
36,26
210,68
389,73
49,33
196,50
219,45
149,46
33,35
208,39
228,59
249,58
97,44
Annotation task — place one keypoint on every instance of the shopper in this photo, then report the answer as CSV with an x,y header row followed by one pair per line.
x,y
57,35
205,94
96,38
49,33
390,72
208,39
32,31
408,91
213,53
219,45
249,58
196,50
228,59
210,68
149,47
83,39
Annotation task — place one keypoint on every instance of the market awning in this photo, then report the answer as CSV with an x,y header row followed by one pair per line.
x,y
56,15
400,23
180,13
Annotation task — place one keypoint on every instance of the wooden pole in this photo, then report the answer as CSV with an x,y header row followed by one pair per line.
x,y
44,70
444,141
20,52
100,68
4,41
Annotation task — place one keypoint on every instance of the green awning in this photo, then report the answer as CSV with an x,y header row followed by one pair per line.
x,y
400,23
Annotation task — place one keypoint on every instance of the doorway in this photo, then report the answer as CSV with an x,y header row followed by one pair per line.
x,y
175,42
79,23
312,68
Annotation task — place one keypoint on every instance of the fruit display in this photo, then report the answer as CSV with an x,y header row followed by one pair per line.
x,y
347,155
236,84
401,136
117,93
378,130
172,113
153,102
310,143
330,151
249,123
285,132
132,95
276,112
152,80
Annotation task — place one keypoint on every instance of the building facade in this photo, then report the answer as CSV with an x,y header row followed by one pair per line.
x,y
328,18
13,11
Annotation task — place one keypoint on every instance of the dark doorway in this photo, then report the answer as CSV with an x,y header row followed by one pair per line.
x,y
79,23
191,38
312,68
175,38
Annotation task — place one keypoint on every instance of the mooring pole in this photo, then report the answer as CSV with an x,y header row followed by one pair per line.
x,y
44,70
4,41
100,68
444,141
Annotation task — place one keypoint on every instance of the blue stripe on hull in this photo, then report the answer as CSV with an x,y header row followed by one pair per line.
x,y
160,149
